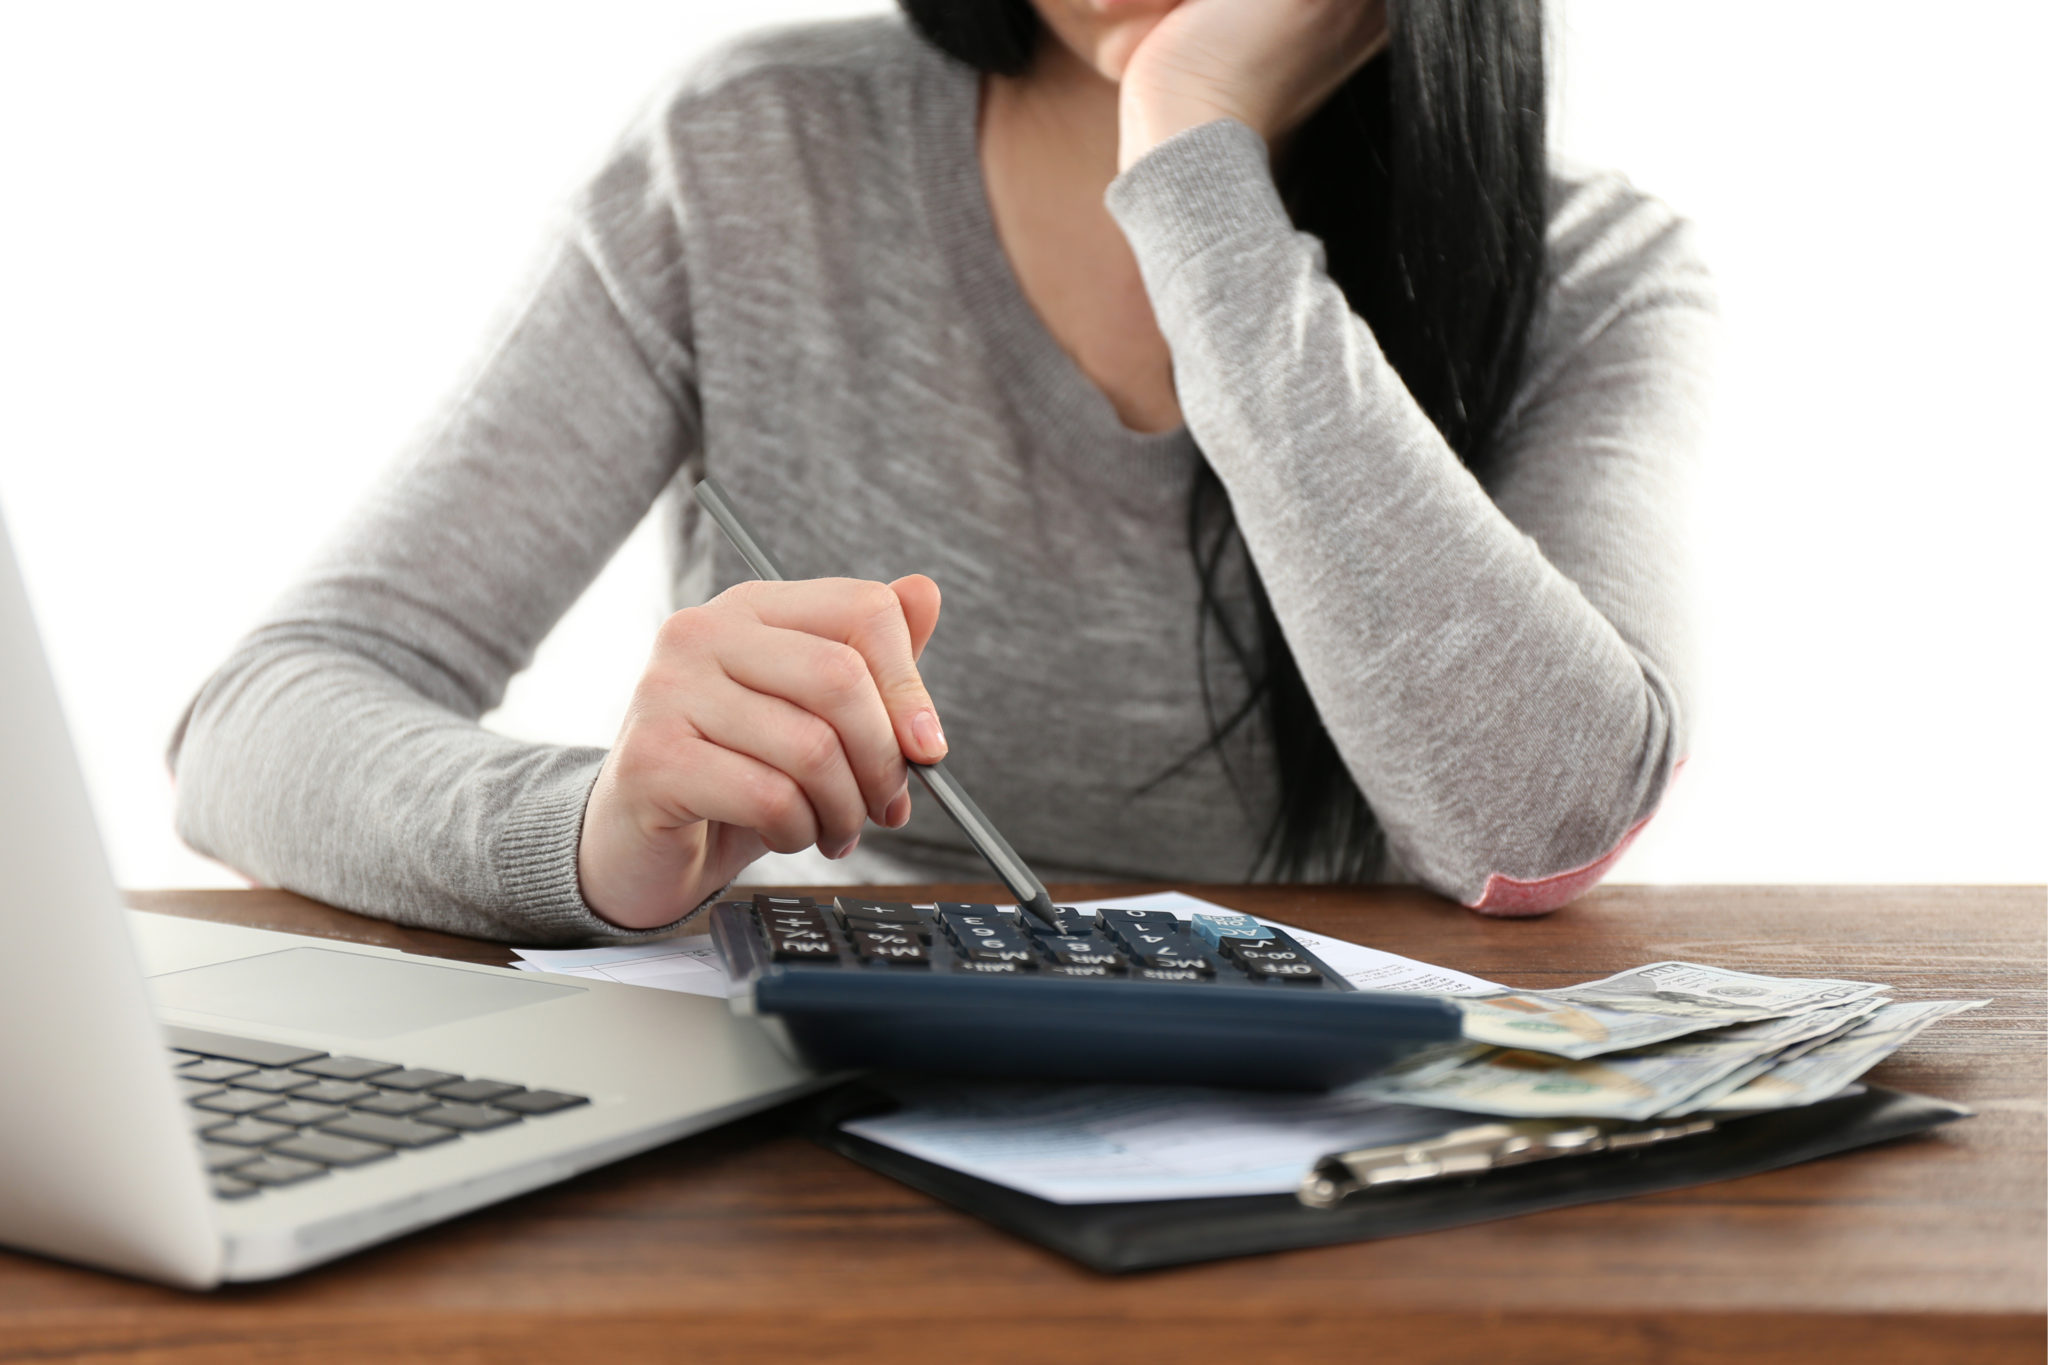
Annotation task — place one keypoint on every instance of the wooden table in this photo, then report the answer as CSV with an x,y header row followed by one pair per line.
x,y
749,1244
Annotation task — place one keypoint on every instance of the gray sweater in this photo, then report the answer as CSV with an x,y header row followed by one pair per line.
x,y
788,276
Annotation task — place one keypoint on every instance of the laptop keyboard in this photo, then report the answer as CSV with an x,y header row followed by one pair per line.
x,y
269,1114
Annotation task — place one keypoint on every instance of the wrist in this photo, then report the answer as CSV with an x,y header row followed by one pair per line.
x,y
1146,118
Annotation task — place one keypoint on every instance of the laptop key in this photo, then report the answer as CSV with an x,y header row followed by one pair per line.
x,y
392,1132
254,1051
200,1120
302,1113
236,1101
393,1103
250,1133
331,1150
279,1170
218,1156
213,1069
334,1092
275,1082
227,1187
345,1068
467,1118
539,1102
415,1078
192,1090
473,1092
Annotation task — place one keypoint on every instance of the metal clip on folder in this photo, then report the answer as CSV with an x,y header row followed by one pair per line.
x,y
1475,1150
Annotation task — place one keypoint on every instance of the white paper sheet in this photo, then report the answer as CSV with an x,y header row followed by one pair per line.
x,y
1091,1144
691,963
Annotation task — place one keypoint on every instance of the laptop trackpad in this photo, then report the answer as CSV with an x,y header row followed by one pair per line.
x,y
355,995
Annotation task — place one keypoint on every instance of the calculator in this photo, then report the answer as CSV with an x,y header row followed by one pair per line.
x,y
1120,995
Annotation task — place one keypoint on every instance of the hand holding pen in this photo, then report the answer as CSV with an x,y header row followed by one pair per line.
x,y
777,716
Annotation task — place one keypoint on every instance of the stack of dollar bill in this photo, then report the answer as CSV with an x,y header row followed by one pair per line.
x,y
1662,1041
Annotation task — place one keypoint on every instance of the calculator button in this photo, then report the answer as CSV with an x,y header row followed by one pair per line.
x,y
991,950
1293,972
991,968
855,924
1169,974
1086,955
1213,929
785,949
904,948
765,902
1068,970
878,912
1161,920
1178,959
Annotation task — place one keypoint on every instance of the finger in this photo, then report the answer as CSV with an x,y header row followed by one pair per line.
x,y
701,780
792,740
869,617
828,680
920,599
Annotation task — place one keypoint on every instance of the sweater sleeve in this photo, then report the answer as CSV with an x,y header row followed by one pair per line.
x,y
1504,676
337,752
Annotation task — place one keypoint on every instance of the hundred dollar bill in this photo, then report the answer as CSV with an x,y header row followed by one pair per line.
x,y
1645,1005
1624,1085
1826,1025
1828,1069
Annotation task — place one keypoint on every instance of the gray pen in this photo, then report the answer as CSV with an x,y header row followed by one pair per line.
x,y
987,841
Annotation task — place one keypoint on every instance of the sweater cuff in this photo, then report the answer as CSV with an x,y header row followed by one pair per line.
x,y
536,860
1203,187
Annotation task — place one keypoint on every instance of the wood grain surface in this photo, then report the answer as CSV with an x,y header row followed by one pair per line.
x,y
749,1244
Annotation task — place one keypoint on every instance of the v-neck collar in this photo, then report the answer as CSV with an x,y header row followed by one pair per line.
x,y
1071,416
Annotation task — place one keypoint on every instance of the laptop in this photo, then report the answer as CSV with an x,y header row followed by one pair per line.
x,y
196,1103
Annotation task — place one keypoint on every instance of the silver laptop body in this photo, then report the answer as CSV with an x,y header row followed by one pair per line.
x,y
98,1163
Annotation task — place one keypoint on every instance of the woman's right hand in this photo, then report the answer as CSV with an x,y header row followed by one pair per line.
x,y
775,716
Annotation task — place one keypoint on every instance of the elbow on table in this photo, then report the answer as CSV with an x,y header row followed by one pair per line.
x,y
1541,885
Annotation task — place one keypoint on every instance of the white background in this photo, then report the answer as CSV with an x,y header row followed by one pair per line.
x,y
246,246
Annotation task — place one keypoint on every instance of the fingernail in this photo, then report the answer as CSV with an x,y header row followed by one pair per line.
x,y
898,811
924,728
851,845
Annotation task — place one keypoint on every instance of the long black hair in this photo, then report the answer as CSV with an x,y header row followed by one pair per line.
x,y
1424,177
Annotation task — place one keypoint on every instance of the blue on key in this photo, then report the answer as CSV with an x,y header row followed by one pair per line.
x,y
1212,929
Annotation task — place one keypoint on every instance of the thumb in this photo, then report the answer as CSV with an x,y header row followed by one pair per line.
x,y
920,599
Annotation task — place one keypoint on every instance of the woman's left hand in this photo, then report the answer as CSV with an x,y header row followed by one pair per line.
x,y
1266,63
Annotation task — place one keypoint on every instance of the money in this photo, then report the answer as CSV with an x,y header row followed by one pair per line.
x,y
1830,1024
1627,1085
1830,1067
1645,1005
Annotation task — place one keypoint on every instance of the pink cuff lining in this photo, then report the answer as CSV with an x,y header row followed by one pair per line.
x,y
1510,897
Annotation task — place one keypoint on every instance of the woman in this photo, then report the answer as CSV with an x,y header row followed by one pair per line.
x,y
1336,552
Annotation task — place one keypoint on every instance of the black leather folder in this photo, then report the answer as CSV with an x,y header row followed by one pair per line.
x,y
1154,1233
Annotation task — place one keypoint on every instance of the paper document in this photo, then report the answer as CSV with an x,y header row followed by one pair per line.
x,y
1095,1144
690,964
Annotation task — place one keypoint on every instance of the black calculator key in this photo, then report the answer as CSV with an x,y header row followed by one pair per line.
x,y
218,1156
390,1132
335,1092
1065,970
330,1150
415,1078
467,1118
237,1101
474,1092
249,1133
272,1082
300,1112
214,1069
1170,974
345,1068
278,1170
539,1102
891,947
1174,960
227,1187
1300,972
1085,954
991,968
1232,947
879,912
394,1103
767,904
1007,949
784,949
